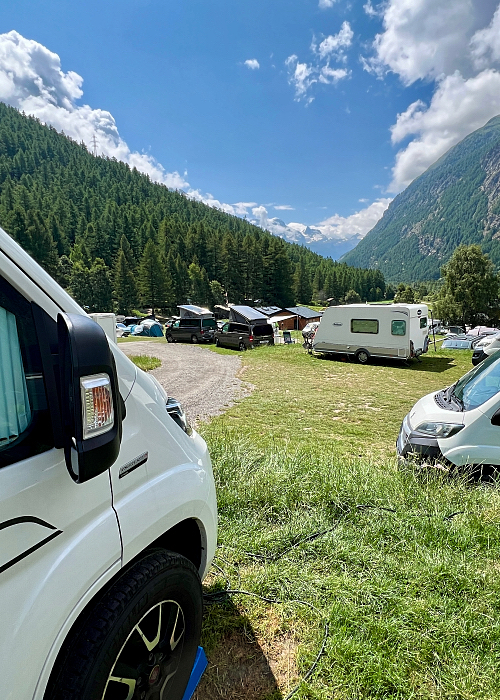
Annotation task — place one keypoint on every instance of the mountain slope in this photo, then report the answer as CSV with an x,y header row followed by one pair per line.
x,y
311,237
457,200
115,239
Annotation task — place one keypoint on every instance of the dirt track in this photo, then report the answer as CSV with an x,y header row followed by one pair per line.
x,y
205,382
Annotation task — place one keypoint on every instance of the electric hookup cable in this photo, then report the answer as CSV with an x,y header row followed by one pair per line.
x,y
222,595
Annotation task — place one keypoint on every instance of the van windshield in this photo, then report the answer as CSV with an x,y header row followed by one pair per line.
x,y
480,384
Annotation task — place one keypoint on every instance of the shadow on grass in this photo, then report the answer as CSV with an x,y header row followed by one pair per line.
x,y
238,668
429,363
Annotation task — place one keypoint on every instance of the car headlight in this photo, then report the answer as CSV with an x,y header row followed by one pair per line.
x,y
439,430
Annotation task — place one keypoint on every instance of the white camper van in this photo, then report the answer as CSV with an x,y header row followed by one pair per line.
x,y
396,331
108,518
459,425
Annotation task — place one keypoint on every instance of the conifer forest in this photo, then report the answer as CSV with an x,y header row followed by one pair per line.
x,y
118,242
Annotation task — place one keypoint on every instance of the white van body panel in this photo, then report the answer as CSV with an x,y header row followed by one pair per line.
x,y
334,333
60,541
477,443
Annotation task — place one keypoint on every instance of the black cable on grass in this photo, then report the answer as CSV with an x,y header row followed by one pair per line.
x,y
365,506
452,515
219,596
279,555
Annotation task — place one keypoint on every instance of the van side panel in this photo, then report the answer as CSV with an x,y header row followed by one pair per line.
x,y
56,539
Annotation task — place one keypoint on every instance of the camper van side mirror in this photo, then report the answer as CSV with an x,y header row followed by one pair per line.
x,y
91,405
495,418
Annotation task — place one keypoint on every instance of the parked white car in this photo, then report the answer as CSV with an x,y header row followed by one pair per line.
x,y
108,519
459,425
485,347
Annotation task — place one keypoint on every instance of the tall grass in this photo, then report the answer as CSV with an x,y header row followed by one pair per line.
x,y
403,563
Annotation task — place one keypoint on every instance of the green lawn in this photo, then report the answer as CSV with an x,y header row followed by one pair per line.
x,y
145,362
402,564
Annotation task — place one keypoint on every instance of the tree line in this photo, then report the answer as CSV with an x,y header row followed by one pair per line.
x,y
117,241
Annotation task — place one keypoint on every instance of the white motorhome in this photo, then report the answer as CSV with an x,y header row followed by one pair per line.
x,y
460,425
108,519
395,331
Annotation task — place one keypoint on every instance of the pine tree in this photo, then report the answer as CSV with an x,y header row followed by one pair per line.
x,y
302,287
124,285
154,288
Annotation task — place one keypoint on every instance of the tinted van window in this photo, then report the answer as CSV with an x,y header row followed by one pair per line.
x,y
209,323
263,330
189,323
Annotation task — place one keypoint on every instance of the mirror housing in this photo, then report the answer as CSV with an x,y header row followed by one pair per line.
x,y
91,405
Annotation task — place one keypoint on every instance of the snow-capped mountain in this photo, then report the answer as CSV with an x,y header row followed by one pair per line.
x,y
320,239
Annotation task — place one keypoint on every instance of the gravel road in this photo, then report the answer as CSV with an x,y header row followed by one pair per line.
x,y
205,382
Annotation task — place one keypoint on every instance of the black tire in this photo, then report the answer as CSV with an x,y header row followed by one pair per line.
x,y
242,347
109,643
194,339
217,343
362,356
170,338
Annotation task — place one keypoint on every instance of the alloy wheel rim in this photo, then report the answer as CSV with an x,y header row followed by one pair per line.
x,y
148,660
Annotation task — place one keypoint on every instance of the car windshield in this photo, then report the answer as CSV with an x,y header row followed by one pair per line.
x,y
480,384
457,344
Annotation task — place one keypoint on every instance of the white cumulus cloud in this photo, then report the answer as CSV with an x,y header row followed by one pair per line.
x,y
252,63
423,38
332,48
454,44
485,44
31,79
335,44
358,224
458,107
325,4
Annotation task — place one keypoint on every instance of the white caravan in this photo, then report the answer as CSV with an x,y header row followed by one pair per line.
x,y
108,519
396,331
460,425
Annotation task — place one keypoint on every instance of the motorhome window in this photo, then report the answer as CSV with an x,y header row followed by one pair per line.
x,y
189,322
398,327
263,330
225,328
423,322
209,323
25,428
364,325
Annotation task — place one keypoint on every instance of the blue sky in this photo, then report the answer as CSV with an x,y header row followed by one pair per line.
x,y
295,108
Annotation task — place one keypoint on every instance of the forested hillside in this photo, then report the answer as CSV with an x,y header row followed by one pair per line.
x,y
456,201
116,240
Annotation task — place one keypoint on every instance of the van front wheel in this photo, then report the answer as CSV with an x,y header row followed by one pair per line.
x,y
362,356
141,638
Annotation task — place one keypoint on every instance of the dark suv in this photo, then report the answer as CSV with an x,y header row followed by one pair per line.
x,y
242,336
194,330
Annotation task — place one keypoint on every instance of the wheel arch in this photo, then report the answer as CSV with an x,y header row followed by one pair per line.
x,y
186,538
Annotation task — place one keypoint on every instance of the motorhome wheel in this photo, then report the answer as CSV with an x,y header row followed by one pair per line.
x,y
362,356
194,339
140,640
170,339
242,347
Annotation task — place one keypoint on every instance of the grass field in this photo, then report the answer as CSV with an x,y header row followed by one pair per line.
x,y
145,362
401,564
